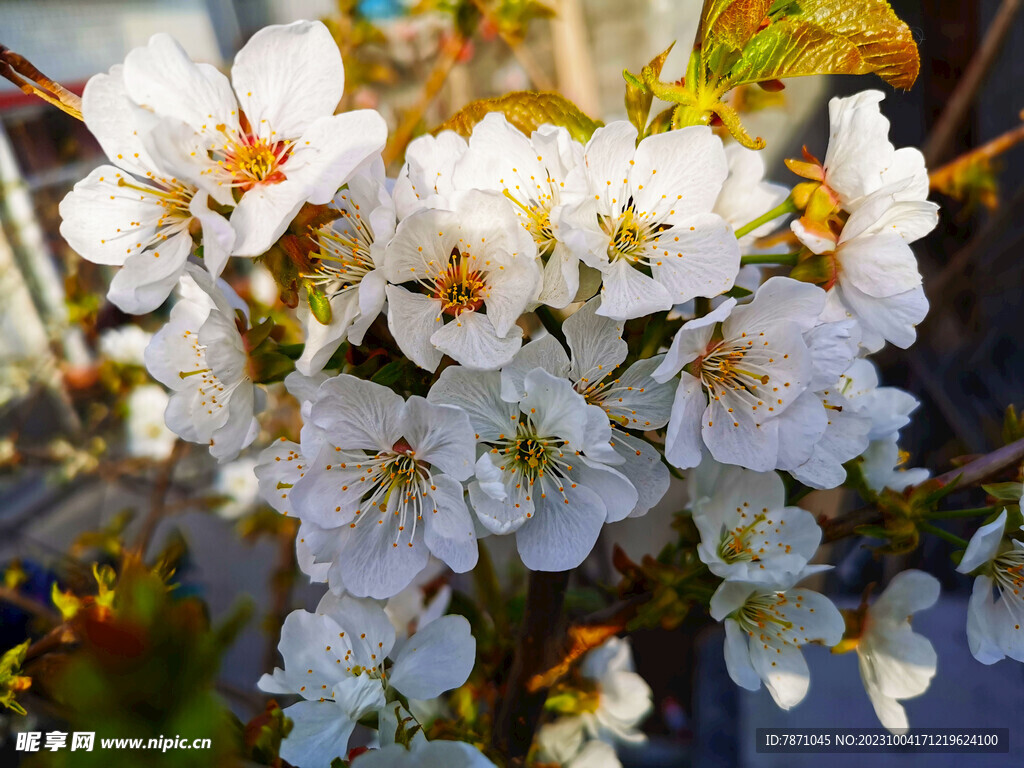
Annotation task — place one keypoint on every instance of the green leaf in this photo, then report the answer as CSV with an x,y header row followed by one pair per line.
x,y
1005,491
638,96
833,37
527,111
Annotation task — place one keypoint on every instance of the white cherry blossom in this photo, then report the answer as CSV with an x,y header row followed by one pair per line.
x,y
633,400
765,629
531,172
147,434
460,278
125,344
995,615
201,357
861,160
337,660
748,533
646,220
875,276
427,177
236,481
268,141
740,368
888,410
136,214
823,429
746,195
895,662
610,710
544,471
384,490
349,268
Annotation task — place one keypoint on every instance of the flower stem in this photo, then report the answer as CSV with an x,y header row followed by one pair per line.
x,y
951,514
934,530
787,206
788,259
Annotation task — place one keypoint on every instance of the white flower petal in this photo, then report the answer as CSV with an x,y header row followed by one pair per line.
x,y
436,659
358,414
441,435
562,532
478,393
471,339
448,527
286,76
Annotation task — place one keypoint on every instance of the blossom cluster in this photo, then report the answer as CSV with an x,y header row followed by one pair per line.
x,y
549,430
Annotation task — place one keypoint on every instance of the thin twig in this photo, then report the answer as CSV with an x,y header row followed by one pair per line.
x,y
27,604
941,178
431,88
981,243
158,499
521,708
969,474
937,146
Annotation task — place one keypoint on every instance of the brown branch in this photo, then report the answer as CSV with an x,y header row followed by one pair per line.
x,y
937,146
970,474
27,604
584,636
55,639
158,499
23,74
521,707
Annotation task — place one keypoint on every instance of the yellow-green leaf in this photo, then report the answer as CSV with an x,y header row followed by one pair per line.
x,y
527,111
838,37
726,26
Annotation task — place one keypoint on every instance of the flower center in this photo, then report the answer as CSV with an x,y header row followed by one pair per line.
x,y
735,545
1008,571
763,617
252,160
537,222
343,259
535,460
398,486
460,288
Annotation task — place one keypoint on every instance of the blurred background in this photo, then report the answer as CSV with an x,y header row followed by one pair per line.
x,y
85,460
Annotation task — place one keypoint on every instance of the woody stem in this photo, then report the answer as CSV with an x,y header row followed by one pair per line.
x,y
521,708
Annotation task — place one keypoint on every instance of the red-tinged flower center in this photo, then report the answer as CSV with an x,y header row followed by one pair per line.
x,y
460,288
252,160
